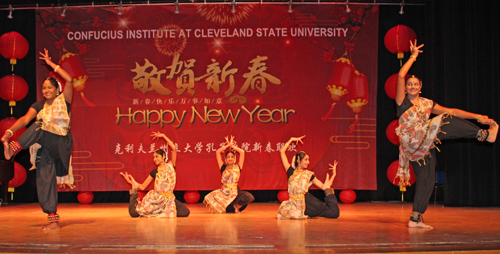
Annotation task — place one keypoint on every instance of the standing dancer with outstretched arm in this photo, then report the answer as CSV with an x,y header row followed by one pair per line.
x,y
417,133
301,203
161,201
229,198
51,131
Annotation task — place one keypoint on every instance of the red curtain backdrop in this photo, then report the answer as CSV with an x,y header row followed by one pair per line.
x,y
260,74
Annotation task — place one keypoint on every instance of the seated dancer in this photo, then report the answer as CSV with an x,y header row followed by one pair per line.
x,y
301,203
229,198
52,132
418,132
159,202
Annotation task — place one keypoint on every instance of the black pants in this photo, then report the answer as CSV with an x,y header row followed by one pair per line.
x,y
316,208
52,160
243,199
182,210
453,128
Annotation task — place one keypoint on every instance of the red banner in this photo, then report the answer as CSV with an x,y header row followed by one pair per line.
x,y
260,73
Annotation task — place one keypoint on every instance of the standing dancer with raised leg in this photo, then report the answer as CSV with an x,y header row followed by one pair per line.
x,y
51,131
418,132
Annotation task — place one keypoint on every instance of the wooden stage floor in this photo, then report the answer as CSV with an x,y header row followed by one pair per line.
x,y
361,228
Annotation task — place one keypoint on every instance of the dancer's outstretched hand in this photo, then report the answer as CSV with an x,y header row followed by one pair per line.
x,y
127,177
157,135
130,180
45,57
414,49
333,168
329,180
297,139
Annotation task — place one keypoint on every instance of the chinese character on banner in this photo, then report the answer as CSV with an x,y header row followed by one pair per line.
x,y
213,81
257,76
118,149
184,82
146,81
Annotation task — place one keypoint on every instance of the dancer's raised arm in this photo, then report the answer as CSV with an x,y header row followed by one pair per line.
x,y
284,159
134,183
484,119
68,88
218,153
401,84
173,148
241,152
329,180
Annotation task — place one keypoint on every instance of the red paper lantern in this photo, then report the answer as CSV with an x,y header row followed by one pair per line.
x,y
192,197
6,123
393,170
391,85
72,64
390,132
13,88
347,196
13,46
19,176
339,81
397,39
85,197
358,97
283,195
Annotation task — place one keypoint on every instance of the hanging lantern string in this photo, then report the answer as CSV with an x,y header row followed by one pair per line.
x,y
329,112
354,124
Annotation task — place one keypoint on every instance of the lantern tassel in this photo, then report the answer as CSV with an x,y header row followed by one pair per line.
x,y
354,124
329,112
86,101
11,111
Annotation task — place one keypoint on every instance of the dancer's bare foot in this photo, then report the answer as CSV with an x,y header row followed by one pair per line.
x,y
237,208
7,152
412,224
53,225
492,136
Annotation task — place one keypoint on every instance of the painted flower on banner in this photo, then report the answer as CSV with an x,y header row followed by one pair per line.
x,y
222,13
167,45
328,55
288,22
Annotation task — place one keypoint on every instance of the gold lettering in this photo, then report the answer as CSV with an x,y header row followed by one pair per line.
x,y
148,120
119,116
195,112
140,112
251,113
265,113
214,113
288,111
230,115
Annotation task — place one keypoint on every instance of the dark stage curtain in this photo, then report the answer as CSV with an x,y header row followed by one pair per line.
x,y
464,73
23,23
460,69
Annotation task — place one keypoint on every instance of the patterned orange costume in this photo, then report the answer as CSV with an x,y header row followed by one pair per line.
x,y
295,206
160,202
219,200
